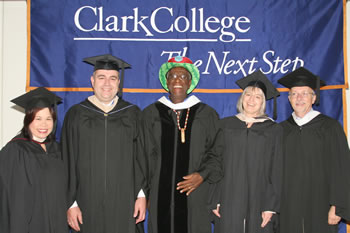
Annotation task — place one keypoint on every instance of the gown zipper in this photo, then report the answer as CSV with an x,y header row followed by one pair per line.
x,y
105,155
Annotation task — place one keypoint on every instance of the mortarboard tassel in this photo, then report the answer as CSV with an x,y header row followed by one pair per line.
x,y
120,92
275,107
317,91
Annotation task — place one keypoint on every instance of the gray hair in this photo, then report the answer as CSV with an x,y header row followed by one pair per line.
x,y
240,100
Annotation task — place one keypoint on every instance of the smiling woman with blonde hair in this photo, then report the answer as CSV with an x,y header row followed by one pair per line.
x,y
259,94
247,198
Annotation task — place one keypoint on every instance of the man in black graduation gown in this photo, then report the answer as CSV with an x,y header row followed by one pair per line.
x,y
316,190
178,134
101,146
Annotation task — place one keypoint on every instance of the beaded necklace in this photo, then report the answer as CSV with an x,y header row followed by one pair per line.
x,y
178,123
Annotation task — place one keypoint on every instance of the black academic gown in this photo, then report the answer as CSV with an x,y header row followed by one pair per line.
x,y
252,175
169,160
316,175
103,156
32,188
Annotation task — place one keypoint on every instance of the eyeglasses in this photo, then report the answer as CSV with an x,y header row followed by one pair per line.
x,y
181,76
302,94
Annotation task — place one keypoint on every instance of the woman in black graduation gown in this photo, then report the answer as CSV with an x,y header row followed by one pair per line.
x,y
247,198
32,175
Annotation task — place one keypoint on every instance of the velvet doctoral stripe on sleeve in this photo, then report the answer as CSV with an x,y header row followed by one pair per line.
x,y
169,160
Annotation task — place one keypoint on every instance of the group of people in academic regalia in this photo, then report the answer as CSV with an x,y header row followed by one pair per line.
x,y
177,159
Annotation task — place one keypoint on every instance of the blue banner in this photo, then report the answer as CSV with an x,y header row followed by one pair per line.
x,y
225,39
344,227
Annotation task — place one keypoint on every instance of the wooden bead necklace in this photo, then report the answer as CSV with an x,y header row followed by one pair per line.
x,y
178,123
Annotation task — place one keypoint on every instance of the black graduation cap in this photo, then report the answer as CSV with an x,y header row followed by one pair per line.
x,y
303,77
38,98
258,79
109,62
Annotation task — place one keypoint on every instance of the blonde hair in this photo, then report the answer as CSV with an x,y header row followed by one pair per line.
x,y
240,108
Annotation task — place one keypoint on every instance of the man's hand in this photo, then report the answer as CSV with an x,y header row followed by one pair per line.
x,y
217,211
266,218
333,219
140,209
190,183
73,216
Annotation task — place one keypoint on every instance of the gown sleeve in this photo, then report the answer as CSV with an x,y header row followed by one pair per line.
x,y
4,195
15,181
149,145
215,188
211,167
69,142
339,172
140,158
273,191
